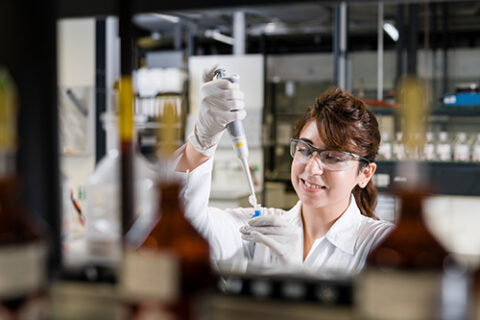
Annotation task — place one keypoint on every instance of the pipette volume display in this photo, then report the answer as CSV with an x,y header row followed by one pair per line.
x,y
237,132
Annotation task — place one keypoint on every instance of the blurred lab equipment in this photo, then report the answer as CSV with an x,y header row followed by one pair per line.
x,y
476,149
23,243
102,229
466,95
444,147
385,149
429,147
461,148
399,147
410,275
170,267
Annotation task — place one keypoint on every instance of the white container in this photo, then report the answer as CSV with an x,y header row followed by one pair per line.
x,y
399,147
461,149
444,148
429,148
476,149
385,149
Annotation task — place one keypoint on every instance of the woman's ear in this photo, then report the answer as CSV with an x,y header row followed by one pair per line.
x,y
366,173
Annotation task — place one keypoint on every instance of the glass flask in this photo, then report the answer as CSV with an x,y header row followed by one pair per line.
x,y
103,224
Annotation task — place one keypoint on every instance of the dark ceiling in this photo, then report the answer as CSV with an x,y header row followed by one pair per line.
x,y
308,27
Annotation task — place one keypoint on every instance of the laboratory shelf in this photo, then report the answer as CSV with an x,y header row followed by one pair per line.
x,y
450,178
437,111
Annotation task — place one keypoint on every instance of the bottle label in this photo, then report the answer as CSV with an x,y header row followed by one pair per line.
x,y
149,274
395,294
22,269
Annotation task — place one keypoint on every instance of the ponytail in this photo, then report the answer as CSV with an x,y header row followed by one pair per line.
x,y
366,199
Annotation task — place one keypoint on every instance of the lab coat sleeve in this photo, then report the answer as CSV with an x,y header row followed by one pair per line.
x,y
219,227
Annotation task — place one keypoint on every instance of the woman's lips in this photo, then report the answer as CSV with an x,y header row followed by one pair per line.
x,y
310,186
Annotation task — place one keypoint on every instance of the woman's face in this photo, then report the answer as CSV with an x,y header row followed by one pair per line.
x,y
319,188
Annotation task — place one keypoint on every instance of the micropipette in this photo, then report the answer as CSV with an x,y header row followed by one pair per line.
x,y
239,141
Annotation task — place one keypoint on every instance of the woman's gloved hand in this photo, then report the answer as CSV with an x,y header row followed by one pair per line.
x,y
222,102
276,233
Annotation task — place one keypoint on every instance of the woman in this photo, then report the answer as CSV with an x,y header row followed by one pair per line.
x,y
333,226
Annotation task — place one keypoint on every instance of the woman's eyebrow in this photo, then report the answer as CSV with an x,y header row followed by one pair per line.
x,y
310,142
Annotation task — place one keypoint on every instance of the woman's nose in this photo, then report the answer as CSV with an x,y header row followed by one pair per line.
x,y
314,164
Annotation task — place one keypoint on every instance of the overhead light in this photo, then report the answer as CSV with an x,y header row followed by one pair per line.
x,y
215,34
167,17
270,27
391,30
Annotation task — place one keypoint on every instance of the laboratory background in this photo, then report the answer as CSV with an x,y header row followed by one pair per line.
x,y
95,95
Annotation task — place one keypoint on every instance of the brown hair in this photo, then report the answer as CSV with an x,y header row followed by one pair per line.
x,y
344,123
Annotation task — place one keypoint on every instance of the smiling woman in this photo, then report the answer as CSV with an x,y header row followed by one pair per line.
x,y
338,121
344,135
332,228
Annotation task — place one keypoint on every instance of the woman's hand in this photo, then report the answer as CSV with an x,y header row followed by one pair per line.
x,y
222,102
276,233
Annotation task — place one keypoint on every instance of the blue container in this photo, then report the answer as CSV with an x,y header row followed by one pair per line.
x,y
463,99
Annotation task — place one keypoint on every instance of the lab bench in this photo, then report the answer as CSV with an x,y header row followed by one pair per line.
x,y
247,297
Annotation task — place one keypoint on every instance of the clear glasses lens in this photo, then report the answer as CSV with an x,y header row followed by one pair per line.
x,y
330,160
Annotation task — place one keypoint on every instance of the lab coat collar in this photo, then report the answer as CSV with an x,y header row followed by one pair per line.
x,y
343,233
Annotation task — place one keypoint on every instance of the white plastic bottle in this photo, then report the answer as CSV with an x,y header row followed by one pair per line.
x,y
461,149
399,147
444,148
385,149
429,148
476,149
103,216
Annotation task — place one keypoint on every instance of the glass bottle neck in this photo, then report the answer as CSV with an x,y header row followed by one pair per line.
x,y
411,205
169,195
7,163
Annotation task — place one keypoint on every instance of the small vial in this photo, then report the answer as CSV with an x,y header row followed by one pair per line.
x,y
385,149
461,150
444,148
476,149
429,148
261,254
399,147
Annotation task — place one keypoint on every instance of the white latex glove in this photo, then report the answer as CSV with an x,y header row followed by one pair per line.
x,y
222,102
276,233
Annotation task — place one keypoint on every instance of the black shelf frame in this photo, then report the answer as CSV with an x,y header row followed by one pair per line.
x,y
445,178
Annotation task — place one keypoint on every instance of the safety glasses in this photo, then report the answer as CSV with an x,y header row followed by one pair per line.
x,y
332,160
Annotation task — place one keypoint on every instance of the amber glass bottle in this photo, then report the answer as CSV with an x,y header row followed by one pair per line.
x,y
475,294
23,253
175,234
405,275
166,273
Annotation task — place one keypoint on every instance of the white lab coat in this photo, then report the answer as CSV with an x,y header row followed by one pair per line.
x,y
342,250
